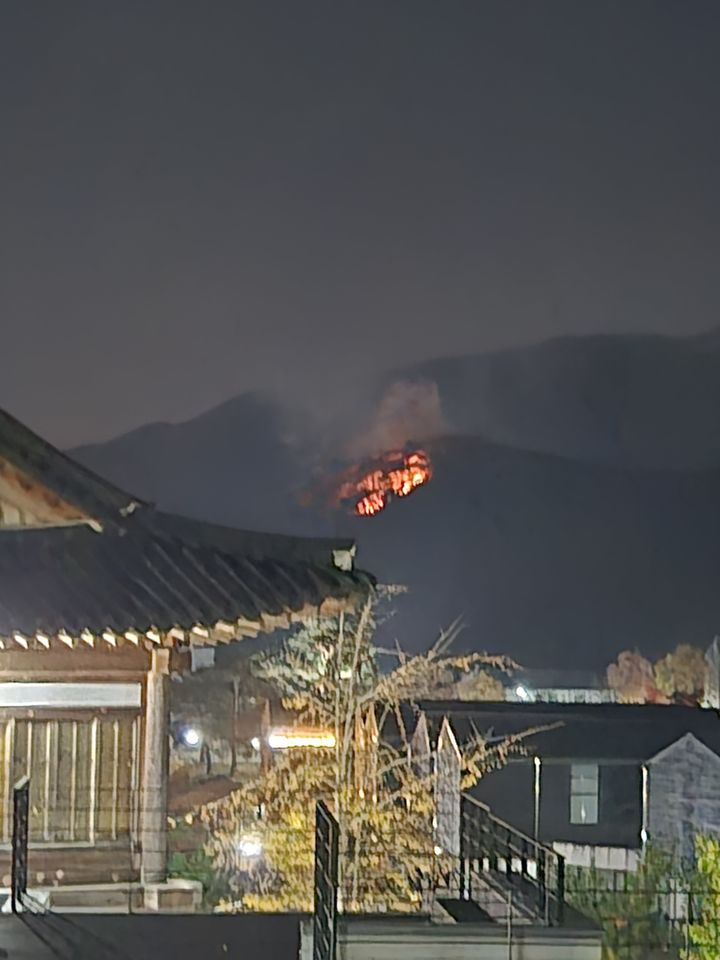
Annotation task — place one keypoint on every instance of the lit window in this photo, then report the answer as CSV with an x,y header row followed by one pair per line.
x,y
584,791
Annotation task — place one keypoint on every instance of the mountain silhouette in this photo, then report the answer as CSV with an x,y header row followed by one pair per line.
x,y
573,510
641,401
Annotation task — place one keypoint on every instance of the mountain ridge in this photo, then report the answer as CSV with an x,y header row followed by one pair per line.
x,y
628,399
560,555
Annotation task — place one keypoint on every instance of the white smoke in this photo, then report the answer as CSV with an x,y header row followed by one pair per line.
x,y
409,411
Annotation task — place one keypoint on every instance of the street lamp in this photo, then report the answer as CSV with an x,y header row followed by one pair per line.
x,y
191,737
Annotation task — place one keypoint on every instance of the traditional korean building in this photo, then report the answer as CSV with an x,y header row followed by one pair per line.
x,y
101,598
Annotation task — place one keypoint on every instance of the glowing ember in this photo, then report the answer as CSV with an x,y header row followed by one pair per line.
x,y
398,476
371,504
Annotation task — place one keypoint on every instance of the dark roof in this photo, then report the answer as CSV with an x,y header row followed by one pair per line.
x,y
147,569
251,543
60,473
589,731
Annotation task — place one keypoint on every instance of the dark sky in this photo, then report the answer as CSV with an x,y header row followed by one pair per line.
x,y
198,198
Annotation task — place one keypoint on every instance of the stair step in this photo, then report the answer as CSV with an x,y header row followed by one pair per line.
x,y
465,911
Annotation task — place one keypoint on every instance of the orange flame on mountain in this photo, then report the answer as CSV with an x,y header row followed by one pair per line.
x,y
397,475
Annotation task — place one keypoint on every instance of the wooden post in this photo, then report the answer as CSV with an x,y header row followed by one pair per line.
x,y
153,823
447,791
265,726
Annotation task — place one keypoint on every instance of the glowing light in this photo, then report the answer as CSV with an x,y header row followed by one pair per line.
x,y
438,851
255,743
521,692
371,504
250,847
293,739
191,737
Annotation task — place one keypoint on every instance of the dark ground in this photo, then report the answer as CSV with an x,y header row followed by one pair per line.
x,y
115,937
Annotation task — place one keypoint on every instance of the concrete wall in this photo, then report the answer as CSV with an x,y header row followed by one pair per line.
x,y
400,939
602,858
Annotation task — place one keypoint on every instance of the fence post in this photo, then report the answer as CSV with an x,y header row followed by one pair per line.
x,y
510,925
18,874
465,851
326,884
524,859
508,856
541,876
560,891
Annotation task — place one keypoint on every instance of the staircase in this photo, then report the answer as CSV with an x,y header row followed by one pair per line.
x,y
504,875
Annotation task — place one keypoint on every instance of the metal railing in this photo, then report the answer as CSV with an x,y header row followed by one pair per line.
x,y
494,851
326,884
19,871
643,913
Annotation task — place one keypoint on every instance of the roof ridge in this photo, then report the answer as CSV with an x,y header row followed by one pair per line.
x,y
322,551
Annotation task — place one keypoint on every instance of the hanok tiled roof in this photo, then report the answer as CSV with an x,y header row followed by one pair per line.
x,y
46,464
147,574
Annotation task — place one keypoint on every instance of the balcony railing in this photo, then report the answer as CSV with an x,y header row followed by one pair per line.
x,y
494,852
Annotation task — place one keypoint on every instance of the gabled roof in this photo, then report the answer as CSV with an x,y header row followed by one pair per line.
x,y
688,743
138,573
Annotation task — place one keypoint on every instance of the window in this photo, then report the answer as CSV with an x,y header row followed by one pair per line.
x,y
83,777
584,792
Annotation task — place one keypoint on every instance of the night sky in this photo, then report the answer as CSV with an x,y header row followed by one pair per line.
x,y
200,198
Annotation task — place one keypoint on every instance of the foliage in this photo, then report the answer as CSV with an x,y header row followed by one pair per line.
x,y
661,907
705,931
628,906
633,679
479,685
682,672
197,865
381,796
678,676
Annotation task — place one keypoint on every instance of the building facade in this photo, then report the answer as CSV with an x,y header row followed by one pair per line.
x,y
102,597
599,781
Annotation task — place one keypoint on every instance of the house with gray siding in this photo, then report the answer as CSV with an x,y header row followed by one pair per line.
x,y
599,780
683,794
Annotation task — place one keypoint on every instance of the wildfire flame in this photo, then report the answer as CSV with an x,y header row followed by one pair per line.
x,y
398,475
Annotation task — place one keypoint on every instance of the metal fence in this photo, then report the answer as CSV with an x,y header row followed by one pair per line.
x,y
325,885
19,869
643,917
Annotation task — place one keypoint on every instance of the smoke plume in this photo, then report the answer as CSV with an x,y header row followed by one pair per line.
x,y
408,411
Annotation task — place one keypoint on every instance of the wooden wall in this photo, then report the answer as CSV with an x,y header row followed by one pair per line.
x,y
75,865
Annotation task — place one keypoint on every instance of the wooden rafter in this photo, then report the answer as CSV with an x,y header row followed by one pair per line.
x,y
34,501
219,633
